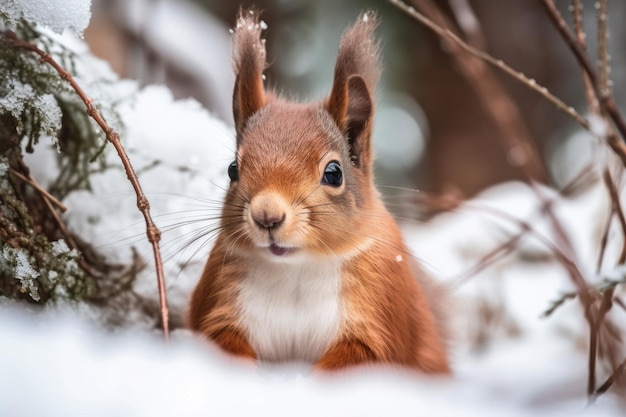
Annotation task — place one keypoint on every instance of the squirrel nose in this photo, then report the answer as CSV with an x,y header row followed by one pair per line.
x,y
268,211
268,220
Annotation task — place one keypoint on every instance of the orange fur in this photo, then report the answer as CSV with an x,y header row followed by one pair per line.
x,y
287,233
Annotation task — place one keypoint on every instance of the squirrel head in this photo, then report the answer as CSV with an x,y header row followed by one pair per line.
x,y
302,178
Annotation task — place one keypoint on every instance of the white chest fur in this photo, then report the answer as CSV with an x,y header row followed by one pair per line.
x,y
291,311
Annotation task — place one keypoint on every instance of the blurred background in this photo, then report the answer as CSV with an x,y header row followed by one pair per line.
x,y
432,132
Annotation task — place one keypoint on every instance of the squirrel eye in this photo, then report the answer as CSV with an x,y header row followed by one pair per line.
x,y
233,171
332,174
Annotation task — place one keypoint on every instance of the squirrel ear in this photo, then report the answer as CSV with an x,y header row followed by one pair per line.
x,y
249,62
358,119
356,73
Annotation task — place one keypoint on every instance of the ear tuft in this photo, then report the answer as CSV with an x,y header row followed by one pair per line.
x,y
249,59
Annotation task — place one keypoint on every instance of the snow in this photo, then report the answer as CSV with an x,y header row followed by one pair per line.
x,y
4,165
57,15
60,361
59,247
17,260
131,374
14,99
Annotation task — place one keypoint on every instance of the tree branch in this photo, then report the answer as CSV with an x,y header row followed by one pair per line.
x,y
530,83
152,232
604,95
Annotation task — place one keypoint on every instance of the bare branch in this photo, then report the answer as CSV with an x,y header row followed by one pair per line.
x,y
516,137
617,373
606,99
448,35
44,193
617,207
603,46
153,233
581,36
592,100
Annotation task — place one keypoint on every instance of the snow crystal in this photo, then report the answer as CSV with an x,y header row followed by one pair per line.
x,y
54,14
17,95
4,166
20,96
51,116
59,247
263,25
17,261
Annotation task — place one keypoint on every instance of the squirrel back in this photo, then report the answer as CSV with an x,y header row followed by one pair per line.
x,y
309,265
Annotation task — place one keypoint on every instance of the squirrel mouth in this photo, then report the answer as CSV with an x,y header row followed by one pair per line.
x,y
279,250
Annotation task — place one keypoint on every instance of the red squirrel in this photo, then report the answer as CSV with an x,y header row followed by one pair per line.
x,y
309,265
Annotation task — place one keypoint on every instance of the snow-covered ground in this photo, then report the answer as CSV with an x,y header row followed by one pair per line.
x,y
131,374
62,362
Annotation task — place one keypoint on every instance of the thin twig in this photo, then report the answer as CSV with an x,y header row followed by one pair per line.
x,y
605,306
44,193
152,232
68,236
563,257
490,257
509,245
617,206
606,99
605,239
592,100
618,301
617,373
530,83
594,108
603,46
516,136
610,136
581,37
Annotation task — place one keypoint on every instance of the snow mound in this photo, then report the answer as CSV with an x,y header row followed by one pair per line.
x,y
57,15
89,373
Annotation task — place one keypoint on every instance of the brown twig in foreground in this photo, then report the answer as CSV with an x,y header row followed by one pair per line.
x,y
152,232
